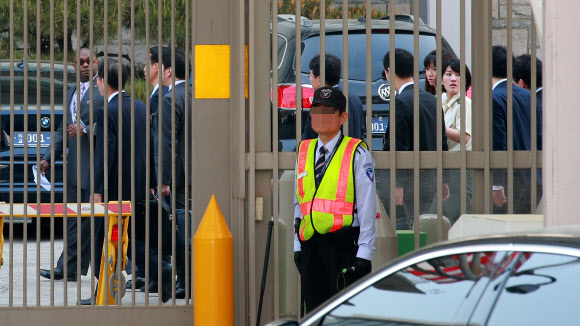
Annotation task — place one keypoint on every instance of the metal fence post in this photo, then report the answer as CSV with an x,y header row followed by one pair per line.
x,y
481,101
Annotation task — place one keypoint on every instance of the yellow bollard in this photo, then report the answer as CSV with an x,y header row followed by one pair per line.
x,y
213,270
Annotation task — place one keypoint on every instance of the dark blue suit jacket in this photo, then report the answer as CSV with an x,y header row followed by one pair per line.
x,y
521,125
521,118
114,139
539,118
154,101
153,107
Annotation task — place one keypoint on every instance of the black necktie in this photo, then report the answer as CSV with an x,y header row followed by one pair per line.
x,y
320,165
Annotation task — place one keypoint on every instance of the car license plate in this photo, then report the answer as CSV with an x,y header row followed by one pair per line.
x,y
380,124
32,138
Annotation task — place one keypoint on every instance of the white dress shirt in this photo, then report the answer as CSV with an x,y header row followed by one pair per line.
x,y
498,82
74,107
177,82
365,205
113,95
153,91
404,86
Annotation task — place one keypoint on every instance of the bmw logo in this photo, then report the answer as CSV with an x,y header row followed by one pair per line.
x,y
45,121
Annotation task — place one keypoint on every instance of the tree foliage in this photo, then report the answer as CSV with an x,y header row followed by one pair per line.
x,y
64,24
180,24
311,9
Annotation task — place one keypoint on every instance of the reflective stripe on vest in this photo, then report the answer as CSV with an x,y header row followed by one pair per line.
x,y
329,207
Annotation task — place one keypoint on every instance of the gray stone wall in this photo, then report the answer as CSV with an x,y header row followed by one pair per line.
x,y
522,25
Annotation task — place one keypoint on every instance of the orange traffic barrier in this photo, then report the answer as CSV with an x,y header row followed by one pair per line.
x,y
1,240
86,209
213,270
117,283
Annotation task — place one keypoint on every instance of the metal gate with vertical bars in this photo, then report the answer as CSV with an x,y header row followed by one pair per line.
x,y
267,160
233,150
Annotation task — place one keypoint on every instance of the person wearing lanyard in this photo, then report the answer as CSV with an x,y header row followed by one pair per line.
x,y
334,230
79,108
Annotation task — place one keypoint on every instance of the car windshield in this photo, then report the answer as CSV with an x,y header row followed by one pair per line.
x,y
427,293
357,51
45,91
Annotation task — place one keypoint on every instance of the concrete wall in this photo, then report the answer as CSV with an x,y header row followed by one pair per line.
x,y
451,28
561,114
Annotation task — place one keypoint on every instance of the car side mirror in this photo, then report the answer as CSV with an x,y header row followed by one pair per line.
x,y
283,322
6,141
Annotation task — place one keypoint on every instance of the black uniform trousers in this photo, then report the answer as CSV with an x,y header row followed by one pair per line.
x,y
140,240
322,259
71,231
182,245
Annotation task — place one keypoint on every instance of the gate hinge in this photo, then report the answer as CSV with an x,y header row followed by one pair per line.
x,y
246,160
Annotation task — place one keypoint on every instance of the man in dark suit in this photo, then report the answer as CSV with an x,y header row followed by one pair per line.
x,y
151,71
356,118
404,106
521,134
78,110
118,147
182,91
522,72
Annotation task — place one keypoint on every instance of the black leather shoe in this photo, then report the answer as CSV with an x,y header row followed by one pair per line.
x,y
180,293
58,275
152,287
139,283
166,288
86,302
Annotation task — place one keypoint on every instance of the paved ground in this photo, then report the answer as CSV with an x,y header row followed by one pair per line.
x,y
42,287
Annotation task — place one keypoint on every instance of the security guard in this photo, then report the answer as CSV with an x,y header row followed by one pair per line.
x,y
335,203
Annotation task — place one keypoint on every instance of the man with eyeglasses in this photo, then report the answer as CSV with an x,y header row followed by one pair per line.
x,y
334,240
78,129
332,69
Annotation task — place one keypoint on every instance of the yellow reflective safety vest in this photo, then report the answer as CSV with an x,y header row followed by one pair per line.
x,y
328,207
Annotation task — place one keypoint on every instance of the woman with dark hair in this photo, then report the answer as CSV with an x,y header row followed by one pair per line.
x,y
451,104
431,69
451,99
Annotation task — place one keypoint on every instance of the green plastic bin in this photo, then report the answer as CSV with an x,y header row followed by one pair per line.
x,y
407,240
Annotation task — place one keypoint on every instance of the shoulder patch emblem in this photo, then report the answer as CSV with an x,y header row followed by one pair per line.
x,y
370,172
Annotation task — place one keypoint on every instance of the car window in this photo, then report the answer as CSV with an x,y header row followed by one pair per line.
x,y
282,47
541,290
45,91
430,292
357,51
